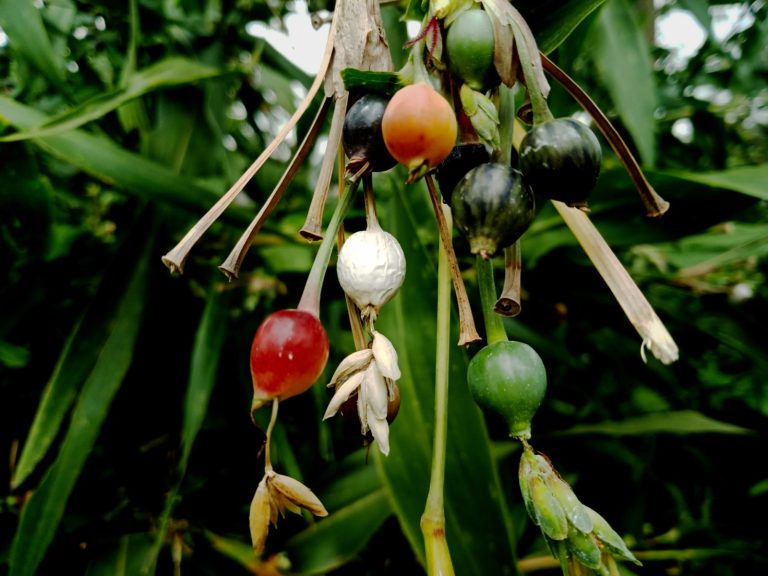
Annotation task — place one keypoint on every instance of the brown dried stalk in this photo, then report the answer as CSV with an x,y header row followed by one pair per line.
x,y
176,258
509,303
231,266
467,330
639,311
313,225
356,324
654,204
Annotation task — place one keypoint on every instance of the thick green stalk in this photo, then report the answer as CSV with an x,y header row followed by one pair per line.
x,y
494,327
310,298
433,519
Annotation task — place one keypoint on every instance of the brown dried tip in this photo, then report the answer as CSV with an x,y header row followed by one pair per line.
x,y
509,302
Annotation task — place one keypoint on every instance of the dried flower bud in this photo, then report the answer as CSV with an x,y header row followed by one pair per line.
x,y
371,269
259,517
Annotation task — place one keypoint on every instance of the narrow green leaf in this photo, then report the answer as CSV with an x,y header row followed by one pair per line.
x,y
167,73
23,23
700,9
105,160
122,558
334,541
74,365
474,507
622,56
239,552
749,180
552,21
352,478
206,353
680,422
41,515
13,356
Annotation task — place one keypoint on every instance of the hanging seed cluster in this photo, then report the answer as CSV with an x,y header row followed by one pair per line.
x,y
438,116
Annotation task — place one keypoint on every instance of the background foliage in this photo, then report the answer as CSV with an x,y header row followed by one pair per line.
x,y
125,390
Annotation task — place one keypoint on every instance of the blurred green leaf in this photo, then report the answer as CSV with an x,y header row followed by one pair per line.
x,y
679,422
75,363
13,356
204,364
749,180
332,542
622,56
42,513
206,353
700,9
121,558
475,511
173,71
107,161
552,20
22,21
239,552
719,247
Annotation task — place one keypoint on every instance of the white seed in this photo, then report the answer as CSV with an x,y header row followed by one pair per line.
x,y
371,268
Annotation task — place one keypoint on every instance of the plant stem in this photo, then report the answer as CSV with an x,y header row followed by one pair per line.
x,y
371,219
508,303
654,204
433,518
176,258
231,266
535,81
494,327
270,429
467,330
638,310
358,334
311,230
506,106
310,298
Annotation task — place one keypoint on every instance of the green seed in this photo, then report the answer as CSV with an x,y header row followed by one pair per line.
x,y
509,378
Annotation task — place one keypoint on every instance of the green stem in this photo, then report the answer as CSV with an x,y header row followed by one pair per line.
x,y
270,429
310,298
530,62
494,327
433,518
506,125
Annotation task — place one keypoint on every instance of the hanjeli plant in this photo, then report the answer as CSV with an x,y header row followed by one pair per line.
x,y
440,114
398,449
434,118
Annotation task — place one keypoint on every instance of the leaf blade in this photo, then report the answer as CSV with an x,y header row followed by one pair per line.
x,y
45,509
475,522
622,55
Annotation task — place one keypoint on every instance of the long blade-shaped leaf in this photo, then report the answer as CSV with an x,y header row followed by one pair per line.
x,y
623,58
175,71
41,515
331,543
206,354
107,161
80,353
553,20
749,180
23,24
122,558
474,508
680,422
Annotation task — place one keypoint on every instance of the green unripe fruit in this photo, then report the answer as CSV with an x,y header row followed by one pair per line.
x,y
508,378
560,159
469,45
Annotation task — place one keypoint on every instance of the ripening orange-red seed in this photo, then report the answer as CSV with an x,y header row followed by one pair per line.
x,y
419,126
288,354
